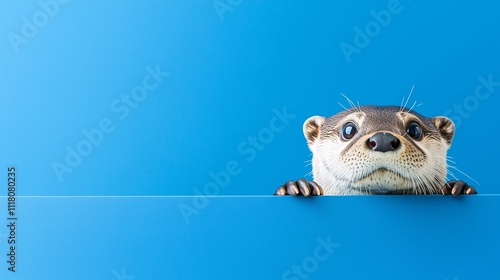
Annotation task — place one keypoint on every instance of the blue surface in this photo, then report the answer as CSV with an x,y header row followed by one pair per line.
x,y
227,71
390,237
150,98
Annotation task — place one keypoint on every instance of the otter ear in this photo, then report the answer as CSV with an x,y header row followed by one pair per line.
x,y
311,129
446,128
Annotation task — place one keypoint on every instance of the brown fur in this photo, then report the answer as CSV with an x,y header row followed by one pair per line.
x,y
341,166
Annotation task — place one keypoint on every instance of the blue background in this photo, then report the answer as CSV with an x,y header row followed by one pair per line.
x,y
390,237
227,72
228,75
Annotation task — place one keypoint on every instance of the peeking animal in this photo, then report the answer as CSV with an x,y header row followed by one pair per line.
x,y
378,150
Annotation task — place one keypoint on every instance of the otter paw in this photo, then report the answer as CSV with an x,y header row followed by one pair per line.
x,y
456,188
301,187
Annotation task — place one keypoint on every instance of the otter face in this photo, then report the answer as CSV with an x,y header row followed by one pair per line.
x,y
379,150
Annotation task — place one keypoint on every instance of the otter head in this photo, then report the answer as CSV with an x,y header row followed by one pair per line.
x,y
378,150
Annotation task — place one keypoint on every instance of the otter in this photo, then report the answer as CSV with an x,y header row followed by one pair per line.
x,y
377,150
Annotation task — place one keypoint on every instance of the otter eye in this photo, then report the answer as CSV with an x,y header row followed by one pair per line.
x,y
414,130
348,131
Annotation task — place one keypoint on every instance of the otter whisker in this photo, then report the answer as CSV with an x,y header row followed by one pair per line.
x,y
414,186
452,175
402,106
434,184
414,103
450,160
350,102
341,105
417,185
463,173
421,184
308,174
408,99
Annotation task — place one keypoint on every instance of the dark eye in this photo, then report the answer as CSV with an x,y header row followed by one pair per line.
x,y
414,130
348,131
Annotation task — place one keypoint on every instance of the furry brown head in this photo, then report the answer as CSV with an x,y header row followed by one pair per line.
x,y
379,149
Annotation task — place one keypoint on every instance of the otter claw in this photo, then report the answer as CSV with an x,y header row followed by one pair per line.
x,y
456,188
301,187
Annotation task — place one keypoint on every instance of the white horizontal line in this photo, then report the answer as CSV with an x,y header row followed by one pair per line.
x,y
223,196
132,196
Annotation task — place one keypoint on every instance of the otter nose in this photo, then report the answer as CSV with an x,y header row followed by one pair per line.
x,y
383,142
